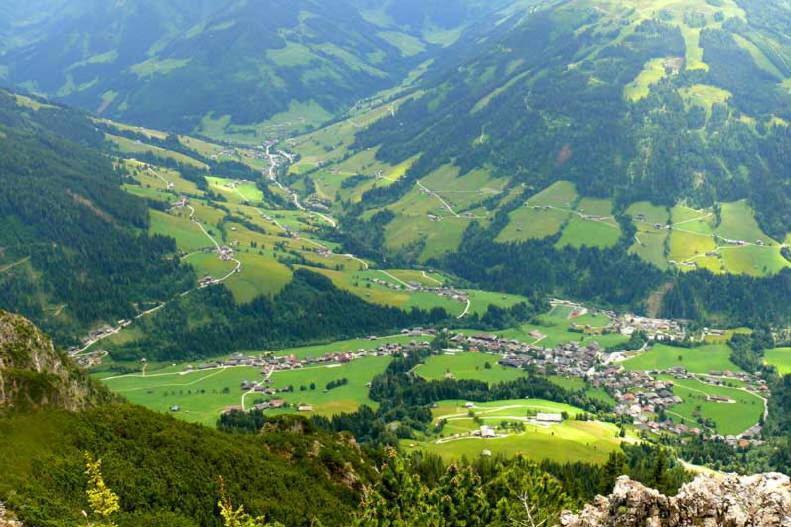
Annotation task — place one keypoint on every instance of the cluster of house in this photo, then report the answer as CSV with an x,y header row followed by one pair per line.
x,y
447,292
638,395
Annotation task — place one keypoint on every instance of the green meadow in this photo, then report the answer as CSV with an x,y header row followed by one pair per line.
x,y
202,395
467,365
570,441
780,358
702,359
734,417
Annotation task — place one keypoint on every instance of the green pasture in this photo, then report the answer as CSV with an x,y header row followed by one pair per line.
x,y
346,398
467,365
188,236
780,358
730,417
702,359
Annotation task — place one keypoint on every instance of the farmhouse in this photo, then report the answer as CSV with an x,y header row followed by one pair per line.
x,y
549,418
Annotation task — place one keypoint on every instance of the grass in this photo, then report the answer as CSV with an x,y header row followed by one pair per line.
x,y
589,441
527,224
729,418
640,87
780,358
481,300
260,275
246,191
349,345
650,241
738,223
129,146
467,365
187,235
346,398
408,45
585,233
596,228
704,95
203,395
702,359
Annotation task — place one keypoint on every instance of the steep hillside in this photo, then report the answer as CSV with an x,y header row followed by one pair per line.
x,y
34,375
226,68
72,247
165,472
636,101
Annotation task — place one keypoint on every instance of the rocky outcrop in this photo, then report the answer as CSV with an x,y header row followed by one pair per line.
x,y
34,374
7,519
727,500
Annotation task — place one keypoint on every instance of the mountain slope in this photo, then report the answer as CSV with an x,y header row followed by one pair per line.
x,y
33,374
73,249
225,66
630,100
165,472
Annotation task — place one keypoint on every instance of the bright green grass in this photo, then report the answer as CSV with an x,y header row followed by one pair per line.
x,y
428,301
346,398
650,246
568,383
780,358
349,345
649,241
199,394
246,191
260,275
208,264
467,365
702,359
562,194
640,87
738,223
526,223
570,441
588,233
187,235
129,146
730,418
201,398
481,300
705,96
753,260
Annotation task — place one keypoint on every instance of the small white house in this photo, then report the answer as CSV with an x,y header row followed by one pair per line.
x,y
549,418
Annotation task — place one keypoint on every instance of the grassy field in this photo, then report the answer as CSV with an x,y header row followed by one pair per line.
x,y
650,241
246,192
780,358
730,418
572,440
203,395
702,359
467,365
527,222
187,235
129,146
602,232
640,87
260,275
346,398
